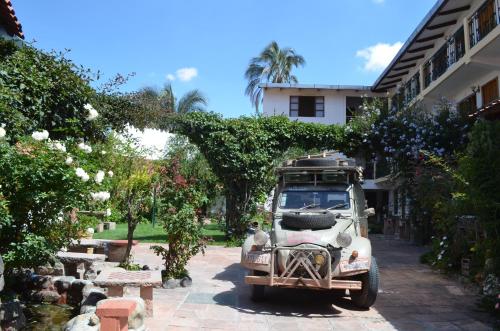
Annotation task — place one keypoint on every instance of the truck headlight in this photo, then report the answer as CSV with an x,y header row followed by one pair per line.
x,y
344,240
260,238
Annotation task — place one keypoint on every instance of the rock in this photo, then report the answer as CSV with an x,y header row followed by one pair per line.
x,y
186,281
87,309
85,322
11,316
171,283
90,273
41,282
44,270
491,285
75,292
58,268
63,284
136,318
145,267
46,296
93,298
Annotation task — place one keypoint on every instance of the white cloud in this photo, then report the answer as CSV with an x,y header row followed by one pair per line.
x,y
186,74
170,77
378,57
378,1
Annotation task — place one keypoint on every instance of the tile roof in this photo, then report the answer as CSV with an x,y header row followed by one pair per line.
x,y
9,20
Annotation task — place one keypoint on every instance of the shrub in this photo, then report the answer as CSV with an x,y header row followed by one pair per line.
x,y
180,203
38,191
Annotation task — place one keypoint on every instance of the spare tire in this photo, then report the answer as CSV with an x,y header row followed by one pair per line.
x,y
308,221
316,162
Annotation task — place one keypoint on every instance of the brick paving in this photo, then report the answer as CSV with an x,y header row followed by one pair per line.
x,y
412,297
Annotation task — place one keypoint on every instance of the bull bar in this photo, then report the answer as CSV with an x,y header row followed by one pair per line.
x,y
300,258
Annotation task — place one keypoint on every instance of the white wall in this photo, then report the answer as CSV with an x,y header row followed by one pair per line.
x,y
277,102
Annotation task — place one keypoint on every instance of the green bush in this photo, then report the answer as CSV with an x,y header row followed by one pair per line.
x,y
180,215
37,193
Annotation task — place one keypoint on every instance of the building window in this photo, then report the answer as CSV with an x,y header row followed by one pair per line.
x,y
412,88
490,91
301,106
468,105
353,107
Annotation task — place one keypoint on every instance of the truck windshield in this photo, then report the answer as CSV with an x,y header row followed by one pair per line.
x,y
315,199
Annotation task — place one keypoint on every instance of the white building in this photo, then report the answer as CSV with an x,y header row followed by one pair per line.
x,y
325,104
454,53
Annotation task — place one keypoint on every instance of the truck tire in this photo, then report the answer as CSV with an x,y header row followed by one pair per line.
x,y
308,221
316,162
257,292
366,297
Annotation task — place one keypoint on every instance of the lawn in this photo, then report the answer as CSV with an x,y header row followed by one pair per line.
x,y
146,233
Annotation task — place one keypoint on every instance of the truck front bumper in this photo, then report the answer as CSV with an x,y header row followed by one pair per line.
x,y
301,260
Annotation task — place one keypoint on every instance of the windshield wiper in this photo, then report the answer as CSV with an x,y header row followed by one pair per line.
x,y
310,206
337,206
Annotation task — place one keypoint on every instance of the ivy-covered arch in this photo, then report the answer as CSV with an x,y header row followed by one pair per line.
x,y
242,152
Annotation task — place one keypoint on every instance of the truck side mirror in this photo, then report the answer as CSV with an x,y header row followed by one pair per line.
x,y
369,212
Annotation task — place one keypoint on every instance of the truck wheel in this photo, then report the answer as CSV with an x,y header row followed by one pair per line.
x,y
366,297
258,291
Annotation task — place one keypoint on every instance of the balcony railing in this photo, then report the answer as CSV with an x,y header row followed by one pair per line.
x,y
485,19
452,51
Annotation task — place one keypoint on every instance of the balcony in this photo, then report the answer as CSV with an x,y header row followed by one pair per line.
x,y
452,51
483,21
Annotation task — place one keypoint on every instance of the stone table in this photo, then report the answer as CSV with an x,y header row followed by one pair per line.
x,y
72,260
89,246
116,280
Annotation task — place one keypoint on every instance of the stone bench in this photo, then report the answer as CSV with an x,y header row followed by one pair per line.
x,y
72,261
115,280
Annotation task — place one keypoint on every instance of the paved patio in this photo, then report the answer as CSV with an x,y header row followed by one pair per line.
x,y
412,297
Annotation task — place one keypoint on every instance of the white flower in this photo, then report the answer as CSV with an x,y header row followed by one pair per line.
x,y
444,238
69,160
110,173
86,148
58,146
441,243
90,231
2,132
100,196
103,152
82,174
99,177
439,257
40,135
108,212
93,114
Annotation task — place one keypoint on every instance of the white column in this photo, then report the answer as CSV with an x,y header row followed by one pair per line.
x,y
466,35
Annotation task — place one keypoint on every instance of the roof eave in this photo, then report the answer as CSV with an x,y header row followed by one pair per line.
x,y
430,15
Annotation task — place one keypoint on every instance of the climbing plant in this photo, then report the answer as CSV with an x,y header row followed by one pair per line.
x,y
243,152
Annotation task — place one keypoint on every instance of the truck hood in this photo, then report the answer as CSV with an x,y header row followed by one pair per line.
x,y
288,237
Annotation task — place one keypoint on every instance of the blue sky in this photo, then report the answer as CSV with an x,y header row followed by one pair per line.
x,y
208,44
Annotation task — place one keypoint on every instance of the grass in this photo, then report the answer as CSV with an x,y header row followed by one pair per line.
x,y
146,233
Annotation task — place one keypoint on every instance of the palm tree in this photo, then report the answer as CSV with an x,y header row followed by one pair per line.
x,y
164,101
273,65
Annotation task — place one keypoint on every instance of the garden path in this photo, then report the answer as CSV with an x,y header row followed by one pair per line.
x,y
412,297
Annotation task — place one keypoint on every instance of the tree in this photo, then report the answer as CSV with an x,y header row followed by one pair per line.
x,y
273,65
135,180
47,91
164,101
